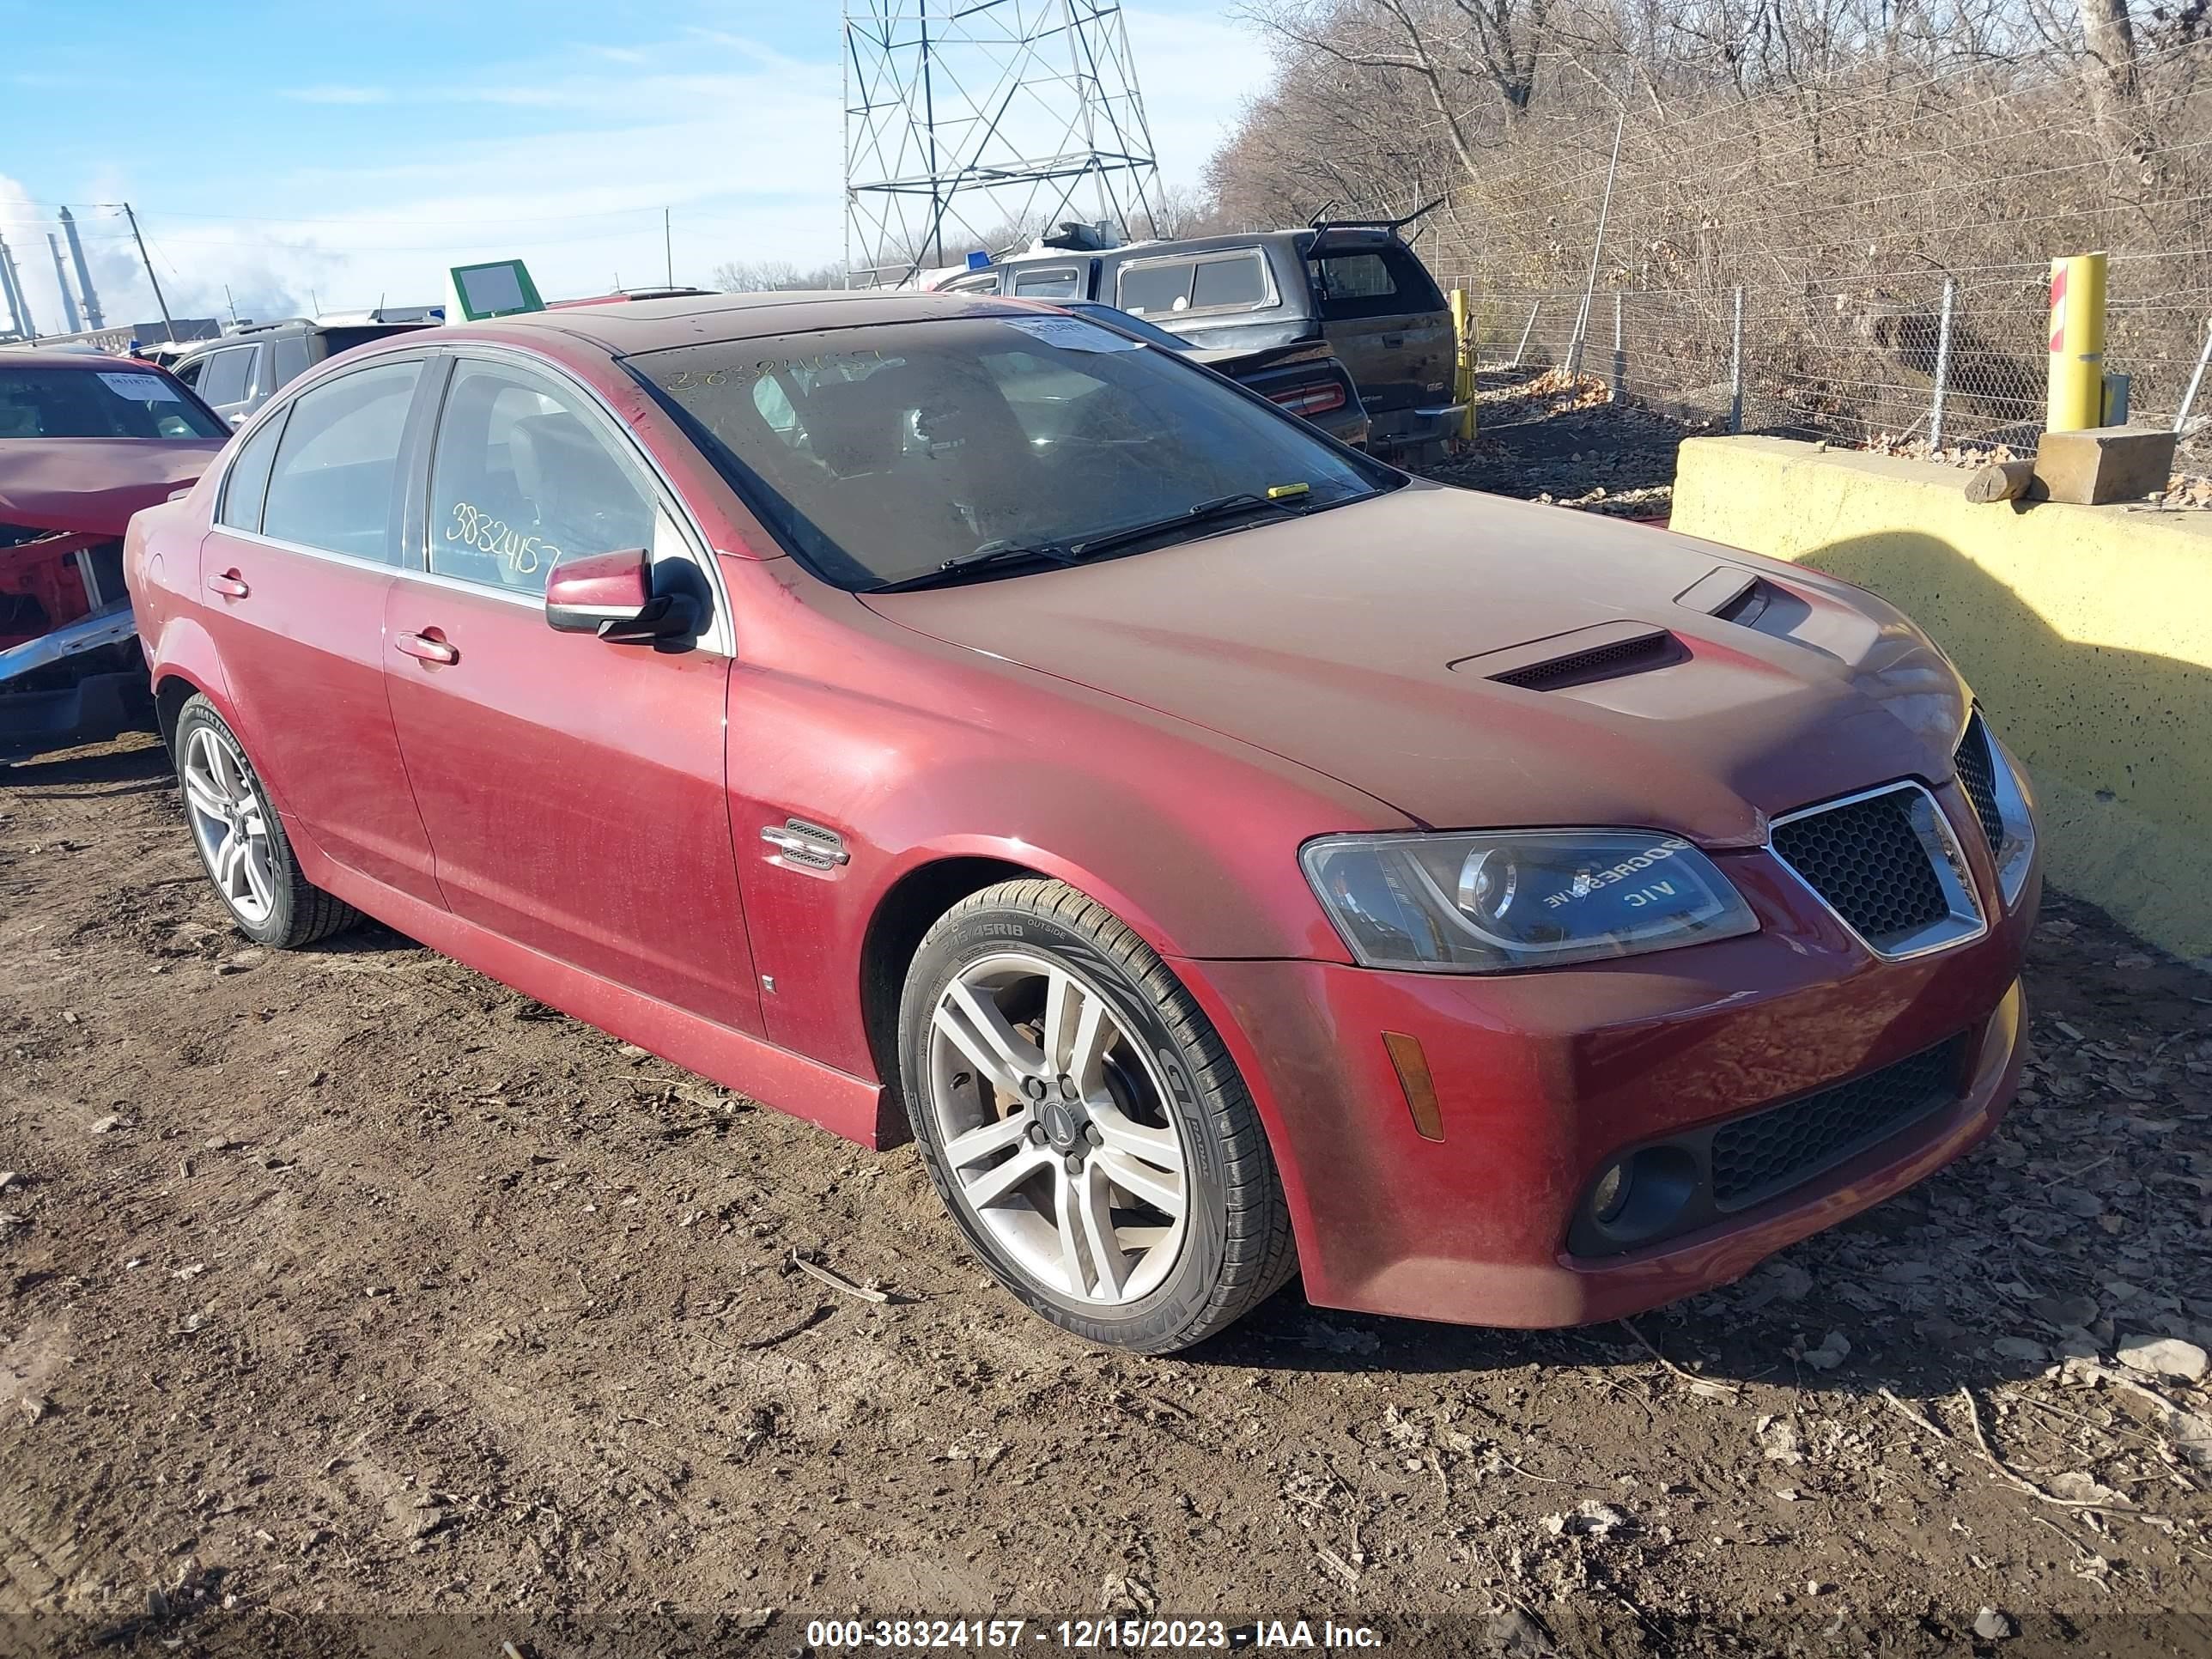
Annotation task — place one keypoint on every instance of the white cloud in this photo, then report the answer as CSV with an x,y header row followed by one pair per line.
x,y
743,142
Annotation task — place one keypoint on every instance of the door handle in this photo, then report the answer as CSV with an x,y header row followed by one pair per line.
x,y
1393,341
426,647
230,585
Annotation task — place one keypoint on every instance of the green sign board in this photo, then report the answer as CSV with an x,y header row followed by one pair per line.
x,y
500,289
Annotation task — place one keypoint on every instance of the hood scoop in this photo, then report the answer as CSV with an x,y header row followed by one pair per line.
x,y
1606,652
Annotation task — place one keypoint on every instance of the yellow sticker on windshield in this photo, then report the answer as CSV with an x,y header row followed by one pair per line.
x,y
1277,492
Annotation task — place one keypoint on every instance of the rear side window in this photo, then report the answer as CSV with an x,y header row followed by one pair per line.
x,y
247,487
1053,283
224,375
335,482
519,478
288,361
1380,282
1233,281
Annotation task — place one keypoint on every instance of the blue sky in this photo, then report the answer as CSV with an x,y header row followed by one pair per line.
x,y
312,153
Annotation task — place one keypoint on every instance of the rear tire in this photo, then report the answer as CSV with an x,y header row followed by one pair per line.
x,y
241,841
1085,1124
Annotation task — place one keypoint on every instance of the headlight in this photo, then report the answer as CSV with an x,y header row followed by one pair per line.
x,y
1486,902
2015,847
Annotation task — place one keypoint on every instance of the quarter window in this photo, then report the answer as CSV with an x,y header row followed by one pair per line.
x,y
335,482
287,359
248,484
519,478
1055,282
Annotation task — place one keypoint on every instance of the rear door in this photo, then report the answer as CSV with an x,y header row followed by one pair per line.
x,y
294,572
1384,315
573,788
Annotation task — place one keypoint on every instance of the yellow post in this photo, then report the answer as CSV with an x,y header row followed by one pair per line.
x,y
2077,342
1464,376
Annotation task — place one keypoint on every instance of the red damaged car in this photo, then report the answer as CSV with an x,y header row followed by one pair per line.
x,y
1227,856
86,440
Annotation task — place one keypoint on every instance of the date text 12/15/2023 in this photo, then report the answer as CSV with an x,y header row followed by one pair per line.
x,y
1118,1635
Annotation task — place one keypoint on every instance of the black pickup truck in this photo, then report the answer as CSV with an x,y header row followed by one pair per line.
x,y
1356,286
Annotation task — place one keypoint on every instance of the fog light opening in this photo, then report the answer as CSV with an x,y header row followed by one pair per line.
x,y
1643,1195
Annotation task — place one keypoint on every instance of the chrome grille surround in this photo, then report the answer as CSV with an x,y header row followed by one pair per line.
x,y
1963,920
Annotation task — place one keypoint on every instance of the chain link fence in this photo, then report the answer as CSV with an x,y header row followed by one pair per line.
x,y
1922,359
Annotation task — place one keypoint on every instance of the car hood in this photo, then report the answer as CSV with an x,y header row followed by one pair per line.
x,y
1332,640
91,486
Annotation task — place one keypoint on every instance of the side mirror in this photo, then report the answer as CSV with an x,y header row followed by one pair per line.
x,y
610,594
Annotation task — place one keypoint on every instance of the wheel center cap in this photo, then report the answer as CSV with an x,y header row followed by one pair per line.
x,y
1062,1127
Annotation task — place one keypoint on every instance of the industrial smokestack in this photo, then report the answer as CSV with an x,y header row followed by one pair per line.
x,y
9,280
92,317
61,282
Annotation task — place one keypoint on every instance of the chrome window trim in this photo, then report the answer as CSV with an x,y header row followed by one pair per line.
x,y
1953,875
377,566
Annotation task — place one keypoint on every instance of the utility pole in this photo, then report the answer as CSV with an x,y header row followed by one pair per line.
x,y
668,246
167,321
61,282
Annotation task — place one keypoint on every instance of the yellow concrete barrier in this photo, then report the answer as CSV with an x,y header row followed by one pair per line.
x,y
2086,631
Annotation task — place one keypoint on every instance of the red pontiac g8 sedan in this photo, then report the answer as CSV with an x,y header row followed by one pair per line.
x,y
1227,855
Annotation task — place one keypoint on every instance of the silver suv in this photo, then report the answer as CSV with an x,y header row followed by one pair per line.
x,y
237,374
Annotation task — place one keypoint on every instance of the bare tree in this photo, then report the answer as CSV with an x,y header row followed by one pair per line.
x,y
770,275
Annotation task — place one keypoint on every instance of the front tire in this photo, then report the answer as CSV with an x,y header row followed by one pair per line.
x,y
241,841
1085,1124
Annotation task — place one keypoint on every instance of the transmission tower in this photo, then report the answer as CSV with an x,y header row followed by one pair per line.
x,y
963,117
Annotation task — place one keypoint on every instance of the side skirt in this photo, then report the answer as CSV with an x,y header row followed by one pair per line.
x,y
838,1101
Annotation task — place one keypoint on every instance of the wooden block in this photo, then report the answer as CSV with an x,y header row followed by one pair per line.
x,y
2104,463
2001,481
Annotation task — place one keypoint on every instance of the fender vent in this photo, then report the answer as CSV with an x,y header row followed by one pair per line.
x,y
1653,650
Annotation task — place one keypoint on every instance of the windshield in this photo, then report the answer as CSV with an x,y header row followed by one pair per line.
x,y
123,400
881,453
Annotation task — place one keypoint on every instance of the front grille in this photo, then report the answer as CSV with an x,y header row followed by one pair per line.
x,y
1600,662
1757,1156
1977,772
1869,862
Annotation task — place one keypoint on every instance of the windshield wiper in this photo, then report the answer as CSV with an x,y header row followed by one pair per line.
x,y
1221,506
962,566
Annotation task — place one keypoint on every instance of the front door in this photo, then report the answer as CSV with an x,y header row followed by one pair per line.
x,y
296,570
574,789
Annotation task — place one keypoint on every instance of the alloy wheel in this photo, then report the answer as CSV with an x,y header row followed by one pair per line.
x,y
1055,1129
230,824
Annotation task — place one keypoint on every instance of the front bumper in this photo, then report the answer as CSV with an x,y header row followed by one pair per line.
x,y
1542,1077
91,710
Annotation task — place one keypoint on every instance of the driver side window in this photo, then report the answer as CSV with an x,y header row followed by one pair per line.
x,y
519,478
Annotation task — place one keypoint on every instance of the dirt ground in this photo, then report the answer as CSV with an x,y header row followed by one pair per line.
x,y
351,1302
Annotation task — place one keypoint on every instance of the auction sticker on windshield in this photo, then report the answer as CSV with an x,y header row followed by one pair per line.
x,y
145,388
1071,334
